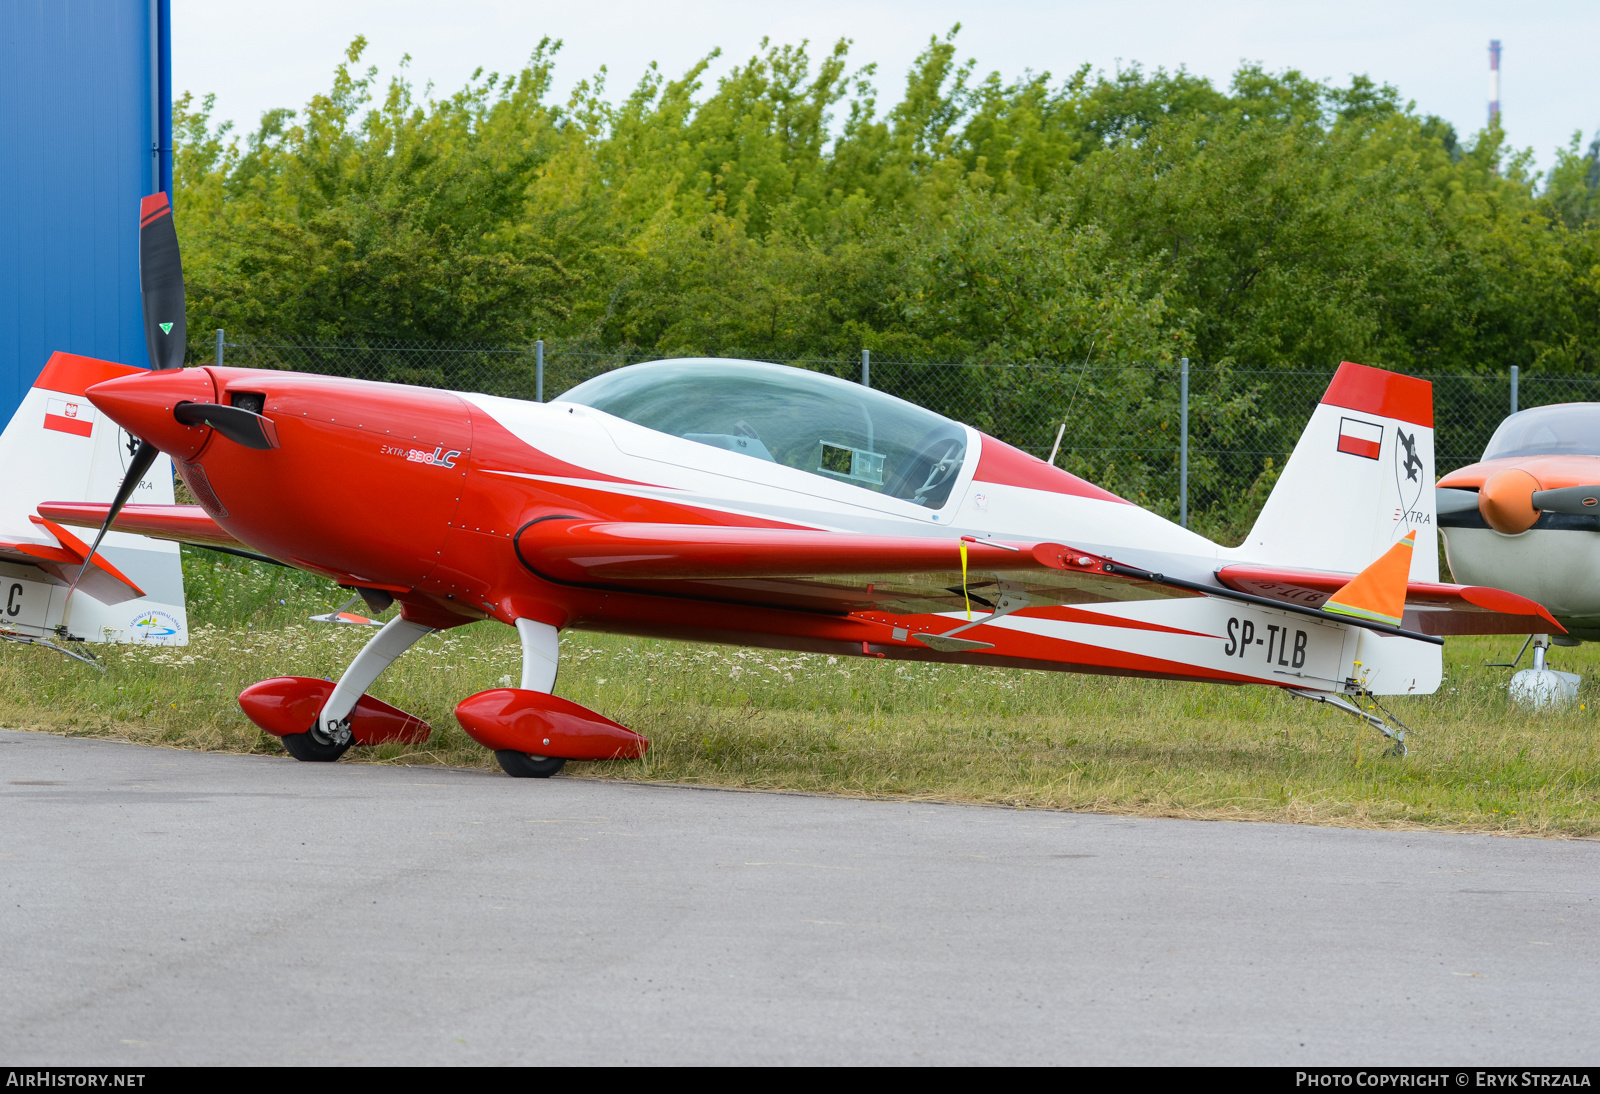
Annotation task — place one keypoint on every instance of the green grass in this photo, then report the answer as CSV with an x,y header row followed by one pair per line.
x,y
752,718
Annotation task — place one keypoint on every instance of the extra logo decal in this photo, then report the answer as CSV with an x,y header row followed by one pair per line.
x,y
1408,481
166,328
127,449
437,458
1409,444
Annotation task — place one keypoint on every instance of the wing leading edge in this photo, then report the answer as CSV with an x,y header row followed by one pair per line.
x,y
817,570
179,523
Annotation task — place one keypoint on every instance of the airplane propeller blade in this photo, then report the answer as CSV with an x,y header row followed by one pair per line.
x,y
239,425
166,332
1455,501
1576,500
165,337
142,459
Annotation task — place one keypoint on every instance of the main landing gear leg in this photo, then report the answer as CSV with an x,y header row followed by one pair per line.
x,y
330,737
541,657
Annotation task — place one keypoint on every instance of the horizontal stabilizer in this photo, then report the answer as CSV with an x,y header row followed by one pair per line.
x,y
62,560
1430,607
179,523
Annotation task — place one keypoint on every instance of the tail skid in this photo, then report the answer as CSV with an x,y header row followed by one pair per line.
x,y
1386,723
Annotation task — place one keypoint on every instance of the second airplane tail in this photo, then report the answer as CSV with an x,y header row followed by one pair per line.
x,y
59,448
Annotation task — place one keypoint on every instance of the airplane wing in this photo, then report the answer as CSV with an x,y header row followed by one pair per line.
x,y
905,576
1431,608
180,523
588,551
826,571
62,562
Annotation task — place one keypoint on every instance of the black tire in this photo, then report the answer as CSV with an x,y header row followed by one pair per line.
x,y
520,765
313,747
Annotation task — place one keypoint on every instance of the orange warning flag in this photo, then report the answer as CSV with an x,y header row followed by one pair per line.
x,y
1378,593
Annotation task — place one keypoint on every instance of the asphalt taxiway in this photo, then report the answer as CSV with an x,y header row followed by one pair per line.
x,y
166,907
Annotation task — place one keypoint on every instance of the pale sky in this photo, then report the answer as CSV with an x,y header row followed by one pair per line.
x,y
259,56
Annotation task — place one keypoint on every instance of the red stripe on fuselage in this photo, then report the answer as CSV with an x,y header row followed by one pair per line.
x,y
680,618
1003,465
503,495
1100,619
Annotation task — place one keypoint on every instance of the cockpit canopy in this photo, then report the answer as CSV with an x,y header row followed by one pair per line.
x,y
805,420
1563,429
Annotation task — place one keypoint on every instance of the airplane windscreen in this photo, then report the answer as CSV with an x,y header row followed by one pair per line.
x,y
1563,429
805,420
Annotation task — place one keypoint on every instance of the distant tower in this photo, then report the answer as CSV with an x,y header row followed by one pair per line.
x,y
1494,80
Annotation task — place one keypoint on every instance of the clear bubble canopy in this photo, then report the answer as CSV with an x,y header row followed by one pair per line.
x,y
1562,429
806,420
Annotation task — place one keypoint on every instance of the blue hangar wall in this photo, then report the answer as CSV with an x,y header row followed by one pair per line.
x,y
85,132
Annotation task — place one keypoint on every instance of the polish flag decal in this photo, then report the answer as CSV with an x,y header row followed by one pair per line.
x,y
69,416
1358,438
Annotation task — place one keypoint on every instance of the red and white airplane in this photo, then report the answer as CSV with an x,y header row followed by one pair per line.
x,y
750,503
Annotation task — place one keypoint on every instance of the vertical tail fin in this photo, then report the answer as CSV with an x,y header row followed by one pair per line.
x,y
1360,480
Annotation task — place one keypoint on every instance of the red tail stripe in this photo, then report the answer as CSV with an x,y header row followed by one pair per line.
x,y
1377,391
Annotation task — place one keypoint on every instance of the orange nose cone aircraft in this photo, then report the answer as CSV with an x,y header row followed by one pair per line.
x,y
1527,516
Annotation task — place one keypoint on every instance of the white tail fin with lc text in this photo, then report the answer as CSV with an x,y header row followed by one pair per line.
x,y
58,448
1360,480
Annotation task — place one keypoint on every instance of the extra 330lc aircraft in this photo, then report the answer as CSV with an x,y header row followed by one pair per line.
x,y
740,502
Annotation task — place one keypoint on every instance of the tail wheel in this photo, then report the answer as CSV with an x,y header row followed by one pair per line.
x,y
314,746
522,765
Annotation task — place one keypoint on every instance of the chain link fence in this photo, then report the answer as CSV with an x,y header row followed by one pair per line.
x,y
1119,423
